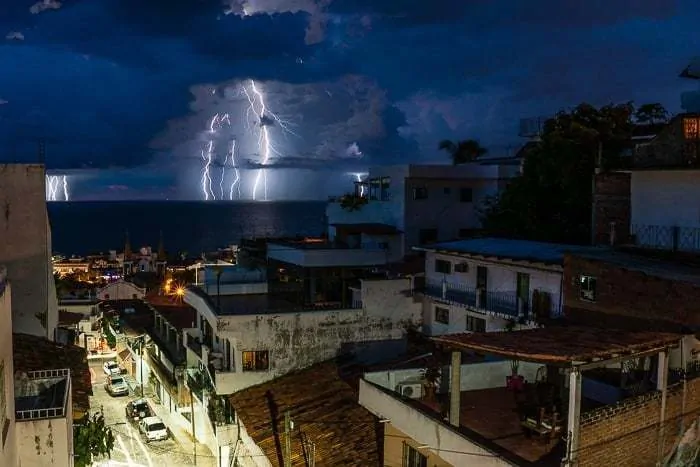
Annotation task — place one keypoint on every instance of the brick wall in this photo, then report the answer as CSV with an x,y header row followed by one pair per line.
x,y
612,203
629,433
623,295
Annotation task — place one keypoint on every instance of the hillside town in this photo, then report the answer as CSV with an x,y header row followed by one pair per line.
x,y
408,335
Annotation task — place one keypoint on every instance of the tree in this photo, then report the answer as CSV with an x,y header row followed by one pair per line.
x,y
92,438
551,200
651,114
462,152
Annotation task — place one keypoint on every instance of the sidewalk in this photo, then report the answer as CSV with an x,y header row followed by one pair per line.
x,y
205,457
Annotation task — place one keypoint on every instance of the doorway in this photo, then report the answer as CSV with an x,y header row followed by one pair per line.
x,y
482,274
523,291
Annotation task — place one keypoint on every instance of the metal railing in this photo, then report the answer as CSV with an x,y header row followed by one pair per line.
x,y
49,412
502,303
666,237
194,345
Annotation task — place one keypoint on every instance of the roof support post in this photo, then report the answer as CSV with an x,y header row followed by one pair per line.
x,y
662,385
455,387
573,418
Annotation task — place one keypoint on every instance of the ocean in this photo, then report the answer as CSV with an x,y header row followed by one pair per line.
x,y
193,227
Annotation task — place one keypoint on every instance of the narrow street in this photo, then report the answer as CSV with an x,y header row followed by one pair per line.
x,y
130,449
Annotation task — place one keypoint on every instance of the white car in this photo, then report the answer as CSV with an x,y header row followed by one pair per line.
x,y
111,368
153,429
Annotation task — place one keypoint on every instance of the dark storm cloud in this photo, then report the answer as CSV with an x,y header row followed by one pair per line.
x,y
99,79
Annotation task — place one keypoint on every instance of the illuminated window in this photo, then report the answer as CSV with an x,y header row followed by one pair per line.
x,y
691,128
588,288
257,360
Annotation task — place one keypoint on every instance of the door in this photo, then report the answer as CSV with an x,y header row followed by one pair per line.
x,y
523,291
482,274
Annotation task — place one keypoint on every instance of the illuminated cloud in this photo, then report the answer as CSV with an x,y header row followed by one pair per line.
x,y
3,102
14,36
316,27
45,5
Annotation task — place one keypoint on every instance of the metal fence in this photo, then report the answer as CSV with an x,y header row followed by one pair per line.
x,y
666,237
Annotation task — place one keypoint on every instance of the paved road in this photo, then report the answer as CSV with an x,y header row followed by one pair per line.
x,y
129,449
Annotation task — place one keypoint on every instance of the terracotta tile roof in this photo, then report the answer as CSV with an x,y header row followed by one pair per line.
x,y
69,319
325,412
33,353
560,344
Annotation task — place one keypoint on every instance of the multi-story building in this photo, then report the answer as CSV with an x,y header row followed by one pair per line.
x,y
399,207
8,447
559,395
26,248
491,284
77,266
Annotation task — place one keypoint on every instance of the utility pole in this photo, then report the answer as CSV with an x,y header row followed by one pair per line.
x,y
287,440
141,363
596,171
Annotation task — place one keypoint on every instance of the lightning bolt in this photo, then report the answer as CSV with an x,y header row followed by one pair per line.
x,y
207,158
65,188
358,177
258,107
53,183
237,181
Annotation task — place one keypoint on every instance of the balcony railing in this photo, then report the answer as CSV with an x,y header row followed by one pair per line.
x,y
666,237
502,303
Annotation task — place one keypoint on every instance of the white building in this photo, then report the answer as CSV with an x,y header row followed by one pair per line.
x,y
121,290
25,248
418,204
491,284
665,186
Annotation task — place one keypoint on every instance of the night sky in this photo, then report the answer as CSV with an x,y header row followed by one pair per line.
x,y
124,91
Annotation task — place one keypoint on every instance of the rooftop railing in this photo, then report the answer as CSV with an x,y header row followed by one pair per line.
x,y
666,237
46,412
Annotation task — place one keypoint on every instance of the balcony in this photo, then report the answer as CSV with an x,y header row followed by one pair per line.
x,y
501,303
666,237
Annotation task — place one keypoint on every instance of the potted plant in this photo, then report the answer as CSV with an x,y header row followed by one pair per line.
x,y
515,381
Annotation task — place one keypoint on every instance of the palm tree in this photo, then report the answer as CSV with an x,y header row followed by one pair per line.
x,y
464,151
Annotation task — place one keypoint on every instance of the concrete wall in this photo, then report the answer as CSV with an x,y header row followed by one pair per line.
x,y
327,257
45,442
628,298
629,434
421,430
8,449
666,198
25,248
612,205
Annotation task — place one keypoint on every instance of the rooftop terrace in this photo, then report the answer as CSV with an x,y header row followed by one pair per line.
x,y
42,394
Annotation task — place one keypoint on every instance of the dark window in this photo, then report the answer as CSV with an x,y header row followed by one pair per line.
x,y
462,267
106,296
447,190
475,324
385,194
420,192
427,236
588,288
465,195
257,360
443,267
413,458
442,315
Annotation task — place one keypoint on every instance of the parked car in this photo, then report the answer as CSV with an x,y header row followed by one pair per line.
x,y
116,386
153,429
112,368
138,409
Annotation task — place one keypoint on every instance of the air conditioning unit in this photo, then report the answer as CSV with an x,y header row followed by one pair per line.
x,y
411,390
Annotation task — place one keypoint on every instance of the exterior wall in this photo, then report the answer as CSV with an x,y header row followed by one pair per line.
x,y
394,440
26,248
421,430
668,149
630,434
501,277
444,211
623,295
612,204
8,446
120,290
666,198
